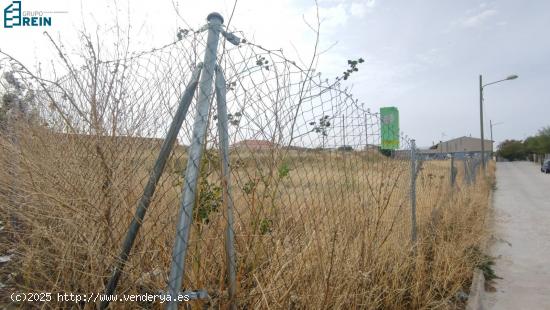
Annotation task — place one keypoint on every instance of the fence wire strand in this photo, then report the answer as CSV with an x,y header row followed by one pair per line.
x,y
312,191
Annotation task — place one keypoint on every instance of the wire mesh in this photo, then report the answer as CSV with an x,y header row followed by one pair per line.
x,y
312,191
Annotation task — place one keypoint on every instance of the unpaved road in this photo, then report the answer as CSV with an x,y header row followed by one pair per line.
x,y
522,238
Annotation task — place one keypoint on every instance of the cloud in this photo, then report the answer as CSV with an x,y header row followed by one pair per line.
x,y
478,19
336,13
432,57
330,17
502,23
360,9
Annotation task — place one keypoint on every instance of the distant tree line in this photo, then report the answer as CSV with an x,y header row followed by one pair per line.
x,y
531,148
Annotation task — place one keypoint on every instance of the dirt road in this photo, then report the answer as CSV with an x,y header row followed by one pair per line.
x,y
522,238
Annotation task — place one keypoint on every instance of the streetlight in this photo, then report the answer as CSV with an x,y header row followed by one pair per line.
x,y
491,124
481,86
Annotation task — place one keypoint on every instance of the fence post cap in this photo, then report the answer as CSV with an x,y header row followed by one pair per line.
x,y
214,15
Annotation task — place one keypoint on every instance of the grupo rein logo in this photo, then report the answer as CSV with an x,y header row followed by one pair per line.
x,y
14,16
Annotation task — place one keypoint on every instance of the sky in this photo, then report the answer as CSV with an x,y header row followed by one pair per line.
x,y
422,56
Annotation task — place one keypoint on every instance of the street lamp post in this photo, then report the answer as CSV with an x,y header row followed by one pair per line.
x,y
481,86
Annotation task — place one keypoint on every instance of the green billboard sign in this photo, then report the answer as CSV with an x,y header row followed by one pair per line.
x,y
389,117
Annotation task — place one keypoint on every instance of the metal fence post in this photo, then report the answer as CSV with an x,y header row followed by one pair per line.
x,y
179,252
154,177
467,170
366,133
413,192
453,170
223,132
475,168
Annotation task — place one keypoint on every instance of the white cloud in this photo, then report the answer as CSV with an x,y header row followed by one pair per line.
x,y
360,9
478,19
336,13
502,23
330,17
433,57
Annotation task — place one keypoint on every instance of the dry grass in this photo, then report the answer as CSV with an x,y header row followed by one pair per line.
x,y
314,229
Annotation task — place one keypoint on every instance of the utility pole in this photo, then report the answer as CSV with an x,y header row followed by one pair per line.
x,y
481,123
491,126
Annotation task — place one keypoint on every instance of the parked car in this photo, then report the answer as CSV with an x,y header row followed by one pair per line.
x,y
545,166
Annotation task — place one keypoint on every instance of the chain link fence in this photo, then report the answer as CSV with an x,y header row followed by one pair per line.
x,y
240,179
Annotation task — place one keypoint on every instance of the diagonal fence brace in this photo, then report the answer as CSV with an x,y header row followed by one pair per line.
x,y
154,177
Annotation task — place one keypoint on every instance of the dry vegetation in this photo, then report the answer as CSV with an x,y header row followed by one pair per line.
x,y
314,229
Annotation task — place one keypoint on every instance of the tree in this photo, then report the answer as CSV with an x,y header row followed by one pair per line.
x,y
321,127
534,145
16,99
545,131
539,144
544,140
512,150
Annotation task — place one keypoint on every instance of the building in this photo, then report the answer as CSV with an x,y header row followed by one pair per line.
x,y
459,147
